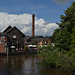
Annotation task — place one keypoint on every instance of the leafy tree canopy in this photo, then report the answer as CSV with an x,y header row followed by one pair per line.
x,y
64,36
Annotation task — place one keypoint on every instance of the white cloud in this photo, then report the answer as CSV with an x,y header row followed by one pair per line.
x,y
61,1
24,23
44,28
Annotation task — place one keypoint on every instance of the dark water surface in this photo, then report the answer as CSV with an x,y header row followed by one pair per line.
x,y
24,65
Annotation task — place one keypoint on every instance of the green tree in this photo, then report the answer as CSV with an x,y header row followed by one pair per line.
x,y
63,34
64,38
49,55
63,53
72,46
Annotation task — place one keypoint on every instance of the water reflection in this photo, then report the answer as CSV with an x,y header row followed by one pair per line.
x,y
24,65
30,66
3,68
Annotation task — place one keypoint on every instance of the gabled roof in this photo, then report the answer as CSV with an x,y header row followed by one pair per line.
x,y
38,36
37,39
13,29
8,28
46,39
27,38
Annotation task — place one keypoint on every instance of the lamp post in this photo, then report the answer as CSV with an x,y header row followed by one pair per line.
x,y
6,48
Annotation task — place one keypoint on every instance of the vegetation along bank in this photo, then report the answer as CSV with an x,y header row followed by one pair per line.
x,y
62,55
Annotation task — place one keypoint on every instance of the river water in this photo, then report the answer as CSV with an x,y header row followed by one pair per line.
x,y
25,65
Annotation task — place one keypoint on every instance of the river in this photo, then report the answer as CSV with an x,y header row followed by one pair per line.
x,y
25,65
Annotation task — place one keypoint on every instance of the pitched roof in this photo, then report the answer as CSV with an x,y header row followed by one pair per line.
x,y
13,29
46,39
37,39
8,28
27,38
38,36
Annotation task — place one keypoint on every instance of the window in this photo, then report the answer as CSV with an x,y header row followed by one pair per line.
x,y
2,39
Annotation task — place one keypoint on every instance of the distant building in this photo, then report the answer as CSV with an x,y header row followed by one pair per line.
x,y
37,40
44,41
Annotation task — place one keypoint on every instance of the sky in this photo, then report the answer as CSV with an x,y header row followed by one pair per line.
x,y
19,13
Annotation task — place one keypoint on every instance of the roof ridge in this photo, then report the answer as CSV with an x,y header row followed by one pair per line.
x,y
8,28
13,28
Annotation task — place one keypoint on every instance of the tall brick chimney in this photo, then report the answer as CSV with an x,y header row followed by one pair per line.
x,y
33,25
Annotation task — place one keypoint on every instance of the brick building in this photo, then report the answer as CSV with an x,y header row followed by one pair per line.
x,y
37,40
3,42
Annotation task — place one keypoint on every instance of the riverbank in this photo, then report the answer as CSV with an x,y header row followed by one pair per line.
x,y
19,53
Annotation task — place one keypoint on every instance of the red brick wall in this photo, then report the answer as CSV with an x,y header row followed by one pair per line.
x,y
2,48
25,42
6,38
0,38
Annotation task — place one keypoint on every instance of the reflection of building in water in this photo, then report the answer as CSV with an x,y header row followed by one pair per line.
x,y
3,68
